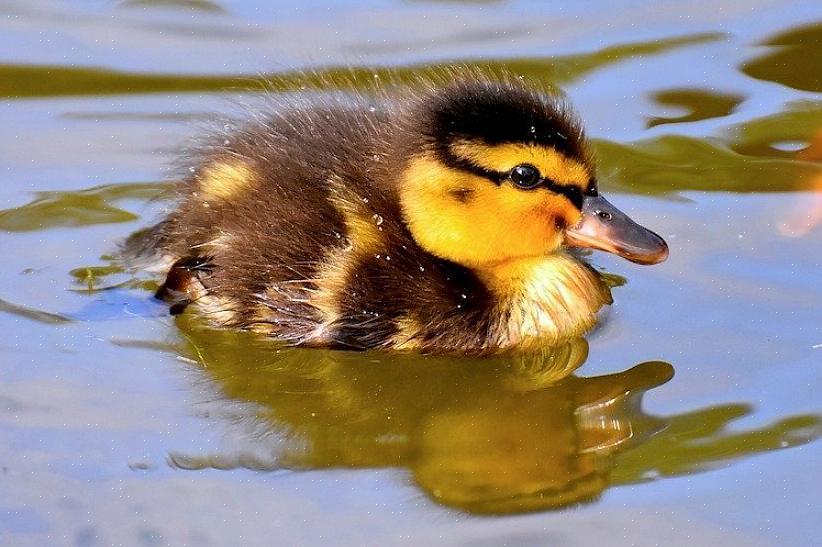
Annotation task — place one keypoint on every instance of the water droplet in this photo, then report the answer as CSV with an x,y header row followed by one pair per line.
x,y
376,157
365,200
191,169
464,296
562,136
226,142
533,130
422,268
388,258
372,108
377,219
227,127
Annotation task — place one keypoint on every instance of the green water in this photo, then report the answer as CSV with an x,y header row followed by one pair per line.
x,y
692,410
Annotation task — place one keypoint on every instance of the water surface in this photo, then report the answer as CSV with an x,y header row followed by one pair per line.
x,y
691,412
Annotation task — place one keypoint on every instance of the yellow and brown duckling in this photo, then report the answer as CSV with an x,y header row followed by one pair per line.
x,y
429,218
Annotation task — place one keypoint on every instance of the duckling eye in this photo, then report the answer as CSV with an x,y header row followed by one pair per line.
x,y
525,176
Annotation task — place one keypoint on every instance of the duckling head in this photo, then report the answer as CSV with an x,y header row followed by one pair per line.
x,y
499,172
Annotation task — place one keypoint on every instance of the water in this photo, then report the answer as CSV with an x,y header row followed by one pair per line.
x,y
690,419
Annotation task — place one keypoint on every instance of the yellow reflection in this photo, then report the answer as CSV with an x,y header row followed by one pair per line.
x,y
22,81
58,209
700,104
487,436
793,59
781,134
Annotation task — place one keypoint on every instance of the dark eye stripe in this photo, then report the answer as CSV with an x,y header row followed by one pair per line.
x,y
572,193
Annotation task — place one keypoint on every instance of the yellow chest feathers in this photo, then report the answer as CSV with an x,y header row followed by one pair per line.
x,y
544,300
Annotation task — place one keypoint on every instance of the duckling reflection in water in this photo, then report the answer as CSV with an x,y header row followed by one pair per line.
x,y
488,436
433,216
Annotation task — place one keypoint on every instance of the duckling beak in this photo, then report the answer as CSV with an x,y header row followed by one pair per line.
x,y
606,228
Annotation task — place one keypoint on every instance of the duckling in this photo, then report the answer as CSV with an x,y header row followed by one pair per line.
x,y
434,218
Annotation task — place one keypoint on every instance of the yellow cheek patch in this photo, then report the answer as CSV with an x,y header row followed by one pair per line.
x,y
472,221
223,180
504,157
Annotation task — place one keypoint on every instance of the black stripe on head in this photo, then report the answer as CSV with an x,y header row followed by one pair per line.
x,y
501,112
572,193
